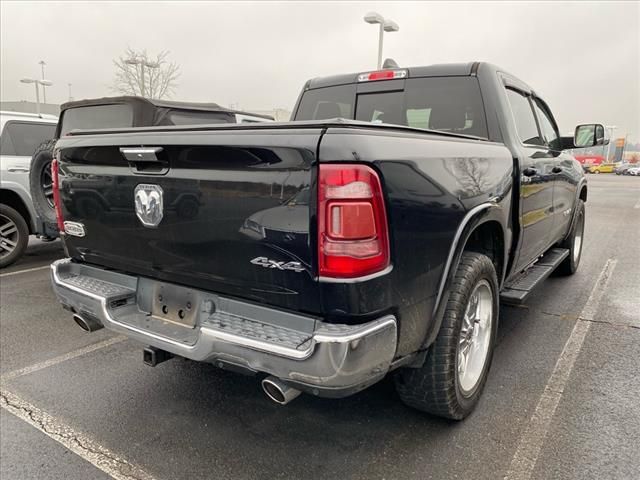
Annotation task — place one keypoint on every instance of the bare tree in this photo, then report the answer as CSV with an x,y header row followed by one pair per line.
x,y
138,73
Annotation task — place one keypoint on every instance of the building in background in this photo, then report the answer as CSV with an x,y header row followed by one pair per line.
x,y
30,107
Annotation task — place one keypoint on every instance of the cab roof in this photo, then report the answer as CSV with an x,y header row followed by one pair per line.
x,y
438,70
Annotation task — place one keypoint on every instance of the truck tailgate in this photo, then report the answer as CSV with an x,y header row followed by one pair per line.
x,y
225,211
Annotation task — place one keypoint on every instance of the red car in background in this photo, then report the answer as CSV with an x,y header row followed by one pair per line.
x,y
588,161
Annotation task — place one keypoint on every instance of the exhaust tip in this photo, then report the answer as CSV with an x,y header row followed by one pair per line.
x,y
87,324
278,391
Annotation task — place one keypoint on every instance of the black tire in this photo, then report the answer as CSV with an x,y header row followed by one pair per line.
x,y
17,240
570,264
41,169
435,387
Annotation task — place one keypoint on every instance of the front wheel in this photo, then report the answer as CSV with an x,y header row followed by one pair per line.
x,y
450,382
573,243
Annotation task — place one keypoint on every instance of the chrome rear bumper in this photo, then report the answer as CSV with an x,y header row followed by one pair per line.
x,y
318,357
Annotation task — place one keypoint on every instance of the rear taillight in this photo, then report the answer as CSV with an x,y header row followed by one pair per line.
x,y
353,238
56,195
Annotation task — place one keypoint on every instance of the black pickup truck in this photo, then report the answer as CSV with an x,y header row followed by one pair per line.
x,y
378,232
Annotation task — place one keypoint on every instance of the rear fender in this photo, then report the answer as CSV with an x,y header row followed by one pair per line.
x,y
474,218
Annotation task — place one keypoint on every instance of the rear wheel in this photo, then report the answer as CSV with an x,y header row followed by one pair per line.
x,y
450,382
573,243
14,235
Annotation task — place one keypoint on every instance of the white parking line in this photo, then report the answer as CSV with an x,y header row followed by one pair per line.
x,y
24,271
62,358
530,444
80,444
637,205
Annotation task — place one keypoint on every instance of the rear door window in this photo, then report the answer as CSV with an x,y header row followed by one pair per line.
x,y
96,117
22,138
523,116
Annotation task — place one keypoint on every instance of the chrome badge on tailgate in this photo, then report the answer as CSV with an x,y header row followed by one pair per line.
x,y
149,204
267,263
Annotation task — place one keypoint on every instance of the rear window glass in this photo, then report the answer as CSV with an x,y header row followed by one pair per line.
x,y
22,138
199,118
97,116
325,103
449,104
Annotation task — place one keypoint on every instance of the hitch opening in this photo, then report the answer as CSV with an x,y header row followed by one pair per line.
x,y
153,356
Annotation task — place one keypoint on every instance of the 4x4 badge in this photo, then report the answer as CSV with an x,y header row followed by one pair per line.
x,y
267,263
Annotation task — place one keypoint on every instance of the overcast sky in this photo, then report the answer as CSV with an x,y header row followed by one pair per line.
x,y
583,58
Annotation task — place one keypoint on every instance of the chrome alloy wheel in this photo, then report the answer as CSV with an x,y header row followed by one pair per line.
x,y
9,236
475,337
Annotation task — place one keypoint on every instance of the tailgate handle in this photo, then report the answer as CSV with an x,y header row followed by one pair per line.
x,y
141,154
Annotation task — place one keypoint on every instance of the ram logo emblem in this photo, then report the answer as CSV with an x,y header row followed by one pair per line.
x,y
149,204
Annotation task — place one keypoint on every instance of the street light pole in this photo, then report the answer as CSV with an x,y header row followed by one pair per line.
x,y
44,92
612,129
37,98
143,63
385,26
36,82
150,65
380,42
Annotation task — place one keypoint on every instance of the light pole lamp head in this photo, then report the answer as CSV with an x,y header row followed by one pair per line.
x,y
132,61
46,83
390,26
151,64
373,17
27,80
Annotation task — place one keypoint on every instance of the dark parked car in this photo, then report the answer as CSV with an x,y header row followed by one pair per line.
x,y
112,112
376,233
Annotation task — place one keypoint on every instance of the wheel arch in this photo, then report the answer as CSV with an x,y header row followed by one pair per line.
x,y
581,194
482,230
15,201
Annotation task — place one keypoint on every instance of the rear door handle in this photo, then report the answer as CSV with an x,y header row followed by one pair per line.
x,y
529,172
556,170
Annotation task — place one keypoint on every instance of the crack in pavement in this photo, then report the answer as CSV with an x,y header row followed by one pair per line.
x,y
575,316
613,324
86,448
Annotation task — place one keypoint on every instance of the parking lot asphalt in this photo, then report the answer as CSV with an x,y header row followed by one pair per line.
x,y
94,403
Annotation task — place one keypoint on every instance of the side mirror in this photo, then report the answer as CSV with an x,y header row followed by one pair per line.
x,y
588,135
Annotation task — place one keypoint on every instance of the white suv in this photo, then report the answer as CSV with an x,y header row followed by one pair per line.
x,y
21,135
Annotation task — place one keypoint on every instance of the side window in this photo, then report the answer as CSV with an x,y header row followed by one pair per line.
x,y
524,118
546,125
6,147
26,137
